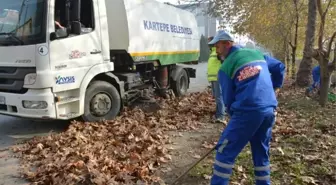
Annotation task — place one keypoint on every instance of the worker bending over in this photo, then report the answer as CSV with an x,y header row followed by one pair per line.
x,y
250,100
316,80
213,67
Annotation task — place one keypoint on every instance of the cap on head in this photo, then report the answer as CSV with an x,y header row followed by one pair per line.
x,y
210,39
221,35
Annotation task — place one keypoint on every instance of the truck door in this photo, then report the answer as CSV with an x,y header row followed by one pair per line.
x,y
72,56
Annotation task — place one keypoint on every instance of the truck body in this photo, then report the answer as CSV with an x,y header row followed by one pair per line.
x,y
107,53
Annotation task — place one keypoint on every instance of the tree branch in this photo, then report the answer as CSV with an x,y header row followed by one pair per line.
x,y
321,30
301,5
330,44
325,40
291,45
333,63
326,10
315,54
319,7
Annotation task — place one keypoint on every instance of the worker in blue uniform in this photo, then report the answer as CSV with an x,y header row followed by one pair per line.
x,y
250,100
316,79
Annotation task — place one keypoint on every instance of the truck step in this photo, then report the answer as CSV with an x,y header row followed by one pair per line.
x,y
67,100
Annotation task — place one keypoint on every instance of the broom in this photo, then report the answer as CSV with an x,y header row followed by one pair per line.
x,y
198,161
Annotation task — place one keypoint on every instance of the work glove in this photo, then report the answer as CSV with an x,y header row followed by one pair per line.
x,y
275,115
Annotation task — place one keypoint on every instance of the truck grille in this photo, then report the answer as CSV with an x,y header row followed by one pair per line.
x,y
12,79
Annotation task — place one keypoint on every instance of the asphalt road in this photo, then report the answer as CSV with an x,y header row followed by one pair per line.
x,y
14,130
199,83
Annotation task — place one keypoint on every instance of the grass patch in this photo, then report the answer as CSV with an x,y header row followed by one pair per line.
x,y
320,170
201,170
244,168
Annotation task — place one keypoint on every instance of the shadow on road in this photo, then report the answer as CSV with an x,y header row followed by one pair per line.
x,y
15,130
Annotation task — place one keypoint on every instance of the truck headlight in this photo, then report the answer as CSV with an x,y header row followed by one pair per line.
x,y
34,104
30,79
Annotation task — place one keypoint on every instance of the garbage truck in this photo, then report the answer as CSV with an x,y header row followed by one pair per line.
x,y
66,59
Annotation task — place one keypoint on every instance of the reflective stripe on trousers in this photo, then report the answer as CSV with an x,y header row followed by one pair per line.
x,y
221,173
262,175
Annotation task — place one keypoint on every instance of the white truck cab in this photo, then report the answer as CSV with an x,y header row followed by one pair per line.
x,y
62,59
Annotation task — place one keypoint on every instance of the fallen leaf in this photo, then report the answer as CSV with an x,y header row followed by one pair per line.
x,y
240,169
207,177
309,180
196,156
280,150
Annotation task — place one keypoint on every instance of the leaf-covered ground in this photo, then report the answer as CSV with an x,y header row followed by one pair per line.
x,y
143,147
124,151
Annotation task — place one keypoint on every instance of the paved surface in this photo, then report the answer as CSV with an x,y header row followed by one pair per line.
x,y
199,83
13,130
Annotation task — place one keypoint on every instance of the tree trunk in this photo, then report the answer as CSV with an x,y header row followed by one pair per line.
x,y
325,82
323,55
285,49
294,46
287,61
305,68
293,62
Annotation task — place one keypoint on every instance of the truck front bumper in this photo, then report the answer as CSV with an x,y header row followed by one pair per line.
x,y
39,104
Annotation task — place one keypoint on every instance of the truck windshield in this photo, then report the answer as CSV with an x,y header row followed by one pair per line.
x,y
22,22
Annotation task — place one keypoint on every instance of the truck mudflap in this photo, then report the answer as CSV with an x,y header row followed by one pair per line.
x,y
177,69
191,72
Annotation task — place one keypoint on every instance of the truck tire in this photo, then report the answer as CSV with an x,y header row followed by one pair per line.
x,y
102,102
180,86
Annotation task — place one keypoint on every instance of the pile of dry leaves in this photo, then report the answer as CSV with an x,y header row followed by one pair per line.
x,y
124,151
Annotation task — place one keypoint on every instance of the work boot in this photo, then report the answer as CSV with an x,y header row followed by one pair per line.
x,y
307,93
218,120
221,121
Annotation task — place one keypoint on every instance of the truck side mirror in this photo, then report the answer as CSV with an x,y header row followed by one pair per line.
x,y
76,27
53,36
59,34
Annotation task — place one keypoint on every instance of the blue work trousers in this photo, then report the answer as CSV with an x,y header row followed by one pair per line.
x,y
254,127
217,94
315,85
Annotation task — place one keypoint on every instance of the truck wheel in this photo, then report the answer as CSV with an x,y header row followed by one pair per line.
x,y
102,102
180,86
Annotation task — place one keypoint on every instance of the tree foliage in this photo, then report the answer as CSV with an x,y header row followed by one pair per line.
x,y
273,24
279,26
